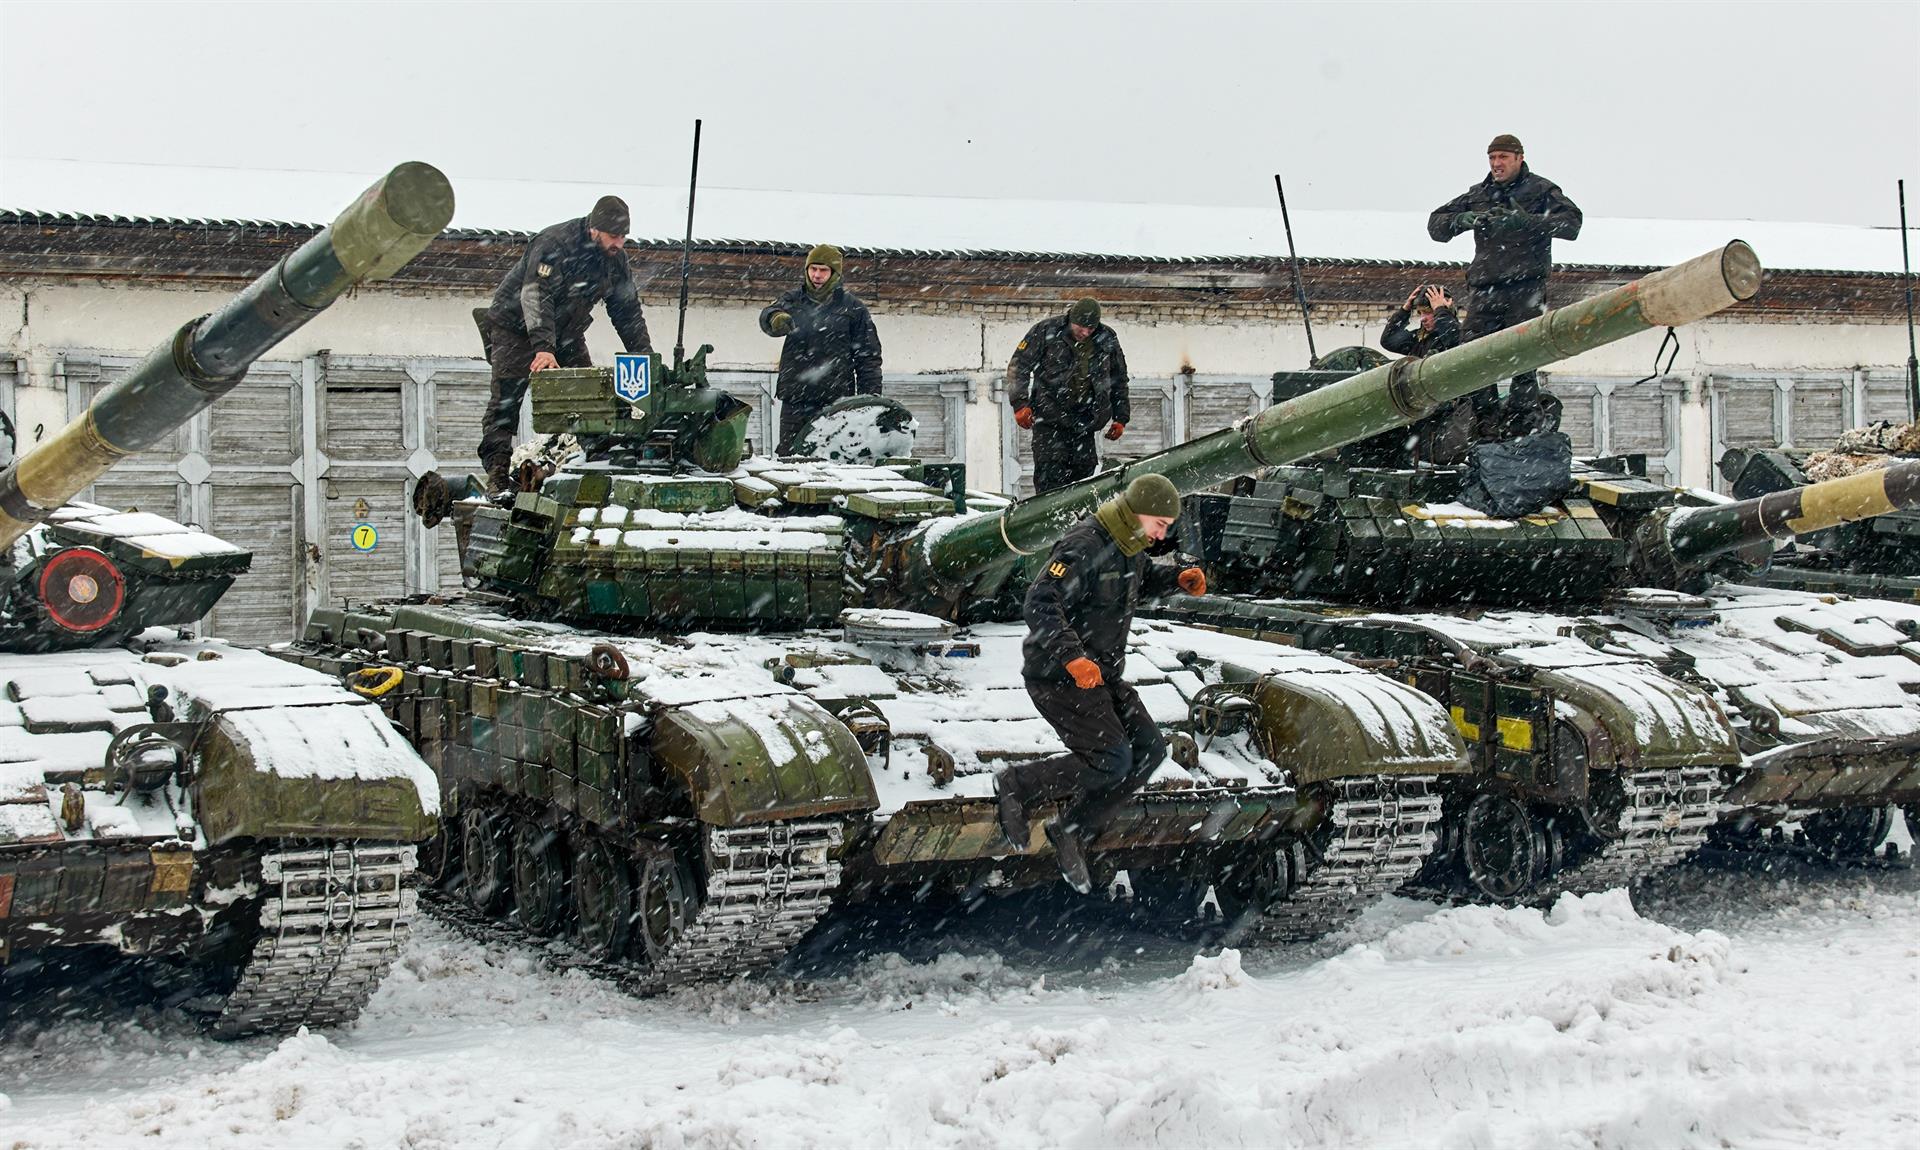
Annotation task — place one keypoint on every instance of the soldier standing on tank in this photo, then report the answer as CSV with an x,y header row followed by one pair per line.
x,y
832,349
541,311
1514,215
1067,380
1079,612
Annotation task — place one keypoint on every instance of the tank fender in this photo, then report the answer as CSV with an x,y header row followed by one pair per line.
x,y
1332,725
762,758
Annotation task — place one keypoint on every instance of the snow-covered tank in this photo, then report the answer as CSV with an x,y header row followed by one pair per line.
x,y
691,697
188,799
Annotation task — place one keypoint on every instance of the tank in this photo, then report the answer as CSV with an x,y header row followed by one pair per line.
x,y
247,823
1621,701
692,698
1878,557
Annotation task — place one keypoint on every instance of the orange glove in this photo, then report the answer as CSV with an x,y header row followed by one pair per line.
x,y
1193,581
1024,417
1117,430
1086,673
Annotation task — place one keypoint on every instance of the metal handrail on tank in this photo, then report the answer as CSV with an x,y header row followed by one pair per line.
x,y
1393,395
391,222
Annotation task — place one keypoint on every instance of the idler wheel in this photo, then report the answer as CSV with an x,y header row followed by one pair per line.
x,y
488,853
666,902
603,906
1848,832
81,590
1504,847
607,661
539,877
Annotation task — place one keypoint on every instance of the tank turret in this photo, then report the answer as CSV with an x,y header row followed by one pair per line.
x,y
1877,556
88,575
249,824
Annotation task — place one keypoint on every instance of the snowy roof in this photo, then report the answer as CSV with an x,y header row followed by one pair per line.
x,y
916,223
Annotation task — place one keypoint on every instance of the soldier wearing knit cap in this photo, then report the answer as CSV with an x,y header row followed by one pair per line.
x,y
1066,381
832,349
1079,613
541,311
1515,215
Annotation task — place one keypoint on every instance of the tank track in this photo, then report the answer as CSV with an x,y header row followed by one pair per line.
x,y
1667,817
332,920
766,887
1383,831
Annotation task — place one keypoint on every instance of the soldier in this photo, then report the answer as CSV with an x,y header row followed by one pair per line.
x,y
1438,329
1444,436
1514,215
541,311
832,349
1079,612
1067,380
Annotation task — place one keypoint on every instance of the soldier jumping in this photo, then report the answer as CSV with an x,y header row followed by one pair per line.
x,y
1079,612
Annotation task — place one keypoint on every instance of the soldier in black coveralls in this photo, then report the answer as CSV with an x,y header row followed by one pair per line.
x,y
541,311
1515,215
832,349
1079,612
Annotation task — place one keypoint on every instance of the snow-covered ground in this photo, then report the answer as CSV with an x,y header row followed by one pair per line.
x,y
1729,1010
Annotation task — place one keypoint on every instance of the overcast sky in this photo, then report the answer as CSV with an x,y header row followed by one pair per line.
x,y
1772,111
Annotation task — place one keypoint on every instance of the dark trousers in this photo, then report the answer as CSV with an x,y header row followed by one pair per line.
x,y
1113,748
1497,307
510,357
1060,457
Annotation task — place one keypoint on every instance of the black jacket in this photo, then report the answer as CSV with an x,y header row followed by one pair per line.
x,y
548,297
1521,251
1417,341
1081,603
832,351
1040,376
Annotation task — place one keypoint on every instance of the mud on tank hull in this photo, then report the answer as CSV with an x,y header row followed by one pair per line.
x,y
687,809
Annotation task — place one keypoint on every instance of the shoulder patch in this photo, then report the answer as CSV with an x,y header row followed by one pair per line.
x,y
1057,570
543,270
1023,345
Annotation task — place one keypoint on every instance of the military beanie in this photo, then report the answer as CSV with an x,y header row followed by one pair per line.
x,y
1506,142
1086,313
1153,495
825,254
609,215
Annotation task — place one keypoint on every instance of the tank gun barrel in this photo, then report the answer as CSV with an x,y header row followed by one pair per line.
x,y
391,222
1696,534
1393,395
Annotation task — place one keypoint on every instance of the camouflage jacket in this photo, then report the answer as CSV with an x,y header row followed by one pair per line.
x,y
1522,250
1041,376
548,297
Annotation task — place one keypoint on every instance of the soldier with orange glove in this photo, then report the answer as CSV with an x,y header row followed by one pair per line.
x,y
1079,613
1066,381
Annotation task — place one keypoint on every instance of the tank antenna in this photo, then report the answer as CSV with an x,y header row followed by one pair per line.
x,y
686,253
1299,287
1906,267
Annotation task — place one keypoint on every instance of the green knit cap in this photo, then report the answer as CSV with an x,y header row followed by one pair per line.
x,y
1153,495
1086,313
825,254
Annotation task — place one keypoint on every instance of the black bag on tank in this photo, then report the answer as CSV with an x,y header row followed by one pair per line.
x,y
1517,477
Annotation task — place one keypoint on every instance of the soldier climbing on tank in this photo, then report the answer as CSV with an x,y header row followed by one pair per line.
x,y
1079,612
1067,380
541,311
832,349
1445,435
1515,215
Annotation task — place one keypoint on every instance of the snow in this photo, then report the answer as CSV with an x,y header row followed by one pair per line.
x,y
924,223
1725,1012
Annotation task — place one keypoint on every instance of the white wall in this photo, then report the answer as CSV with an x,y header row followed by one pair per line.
x,y
38,320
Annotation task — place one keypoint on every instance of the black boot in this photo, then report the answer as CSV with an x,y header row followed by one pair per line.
x,y
1070,855
1013,816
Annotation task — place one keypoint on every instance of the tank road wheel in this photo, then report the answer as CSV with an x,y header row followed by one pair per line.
x,y
488,855
666,902
1848,832
1250,883
440,855
1503,848
603,906
539,876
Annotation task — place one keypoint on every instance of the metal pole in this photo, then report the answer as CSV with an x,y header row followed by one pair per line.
x,y
1299,287
686,252
1913,361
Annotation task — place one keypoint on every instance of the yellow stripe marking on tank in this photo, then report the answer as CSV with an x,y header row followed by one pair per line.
x,y
1843,500
1515,734
1470,731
